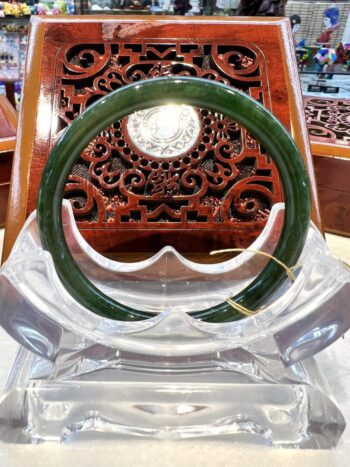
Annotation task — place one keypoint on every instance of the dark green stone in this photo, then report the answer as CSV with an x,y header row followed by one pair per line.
x,y
151,93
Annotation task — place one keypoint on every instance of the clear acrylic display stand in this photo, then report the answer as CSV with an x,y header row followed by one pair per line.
x,y
81,376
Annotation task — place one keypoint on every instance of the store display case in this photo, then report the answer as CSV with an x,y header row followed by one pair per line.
x,y
143,7
161,135
14,25
13,48
322,39
146,142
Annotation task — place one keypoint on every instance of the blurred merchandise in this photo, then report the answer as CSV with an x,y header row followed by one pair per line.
x,y
331,23
12,55
18,9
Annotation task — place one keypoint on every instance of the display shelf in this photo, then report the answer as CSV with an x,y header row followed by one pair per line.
x,y
325,85
11,20
145,7
13,47
116,11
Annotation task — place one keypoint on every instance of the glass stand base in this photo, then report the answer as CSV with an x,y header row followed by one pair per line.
x,y
240,395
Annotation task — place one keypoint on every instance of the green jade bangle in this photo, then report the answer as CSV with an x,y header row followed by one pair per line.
x,y
156,92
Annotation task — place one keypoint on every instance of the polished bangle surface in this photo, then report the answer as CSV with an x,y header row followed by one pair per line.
x,y
151,93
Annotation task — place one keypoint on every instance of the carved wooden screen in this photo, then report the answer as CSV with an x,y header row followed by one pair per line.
x,y
219,189
328,122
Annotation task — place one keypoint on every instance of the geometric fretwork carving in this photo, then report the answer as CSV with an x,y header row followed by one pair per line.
x,y
328,120
226,178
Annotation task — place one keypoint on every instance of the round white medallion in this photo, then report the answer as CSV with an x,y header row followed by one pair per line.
x,y
166,131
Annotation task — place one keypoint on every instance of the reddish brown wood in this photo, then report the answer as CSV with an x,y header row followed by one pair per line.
x,y
328,123
7,129
10,92
235,180
336,210
333,175
5,166
8,124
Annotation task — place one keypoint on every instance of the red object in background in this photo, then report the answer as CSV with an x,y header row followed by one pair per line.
x,y
342,55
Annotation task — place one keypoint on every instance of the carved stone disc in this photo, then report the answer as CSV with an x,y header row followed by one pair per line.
x,y
166,131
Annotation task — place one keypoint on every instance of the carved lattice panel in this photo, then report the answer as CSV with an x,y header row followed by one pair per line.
x,y
224,179
217,190
328,120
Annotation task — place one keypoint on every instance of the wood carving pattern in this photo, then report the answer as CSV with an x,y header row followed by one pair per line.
x,y
225,179
328,120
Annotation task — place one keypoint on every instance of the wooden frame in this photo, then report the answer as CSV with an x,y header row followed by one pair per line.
x,y
328,123
40,123
8,127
